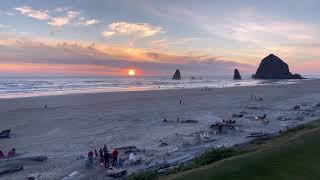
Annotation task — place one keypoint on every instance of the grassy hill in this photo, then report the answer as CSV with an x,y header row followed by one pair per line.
x,y
293,155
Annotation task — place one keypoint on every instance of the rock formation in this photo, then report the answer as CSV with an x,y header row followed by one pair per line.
x,y
272,67
177,75
236,75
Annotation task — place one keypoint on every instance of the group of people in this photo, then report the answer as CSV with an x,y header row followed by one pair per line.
x,y
104,157
11,153
225,123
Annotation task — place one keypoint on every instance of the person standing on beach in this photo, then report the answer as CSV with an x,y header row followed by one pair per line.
x,y
96,156
101,157
105,149
1,155
106,156
220,128
115,154
90,157
12,153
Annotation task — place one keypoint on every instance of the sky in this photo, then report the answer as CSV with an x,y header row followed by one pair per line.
x,y
108,37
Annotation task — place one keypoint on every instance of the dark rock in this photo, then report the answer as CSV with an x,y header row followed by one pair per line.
x,y
272,67
177,75
236,75
297,76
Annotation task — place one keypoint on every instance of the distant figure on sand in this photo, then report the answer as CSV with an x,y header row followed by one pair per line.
x,y
12,153
96,156
114,156
180,101
90,157
261,117
101,157
106,156
45,106
1,155
220,128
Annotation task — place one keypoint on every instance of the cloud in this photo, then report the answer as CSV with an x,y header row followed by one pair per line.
x,y
58,21
61,9
20,50
61,21
264,31
72,14
108,33
37,14
242,25
87,22
128,28
72,17
4,26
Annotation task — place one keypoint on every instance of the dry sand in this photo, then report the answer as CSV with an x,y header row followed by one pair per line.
x,y
73,124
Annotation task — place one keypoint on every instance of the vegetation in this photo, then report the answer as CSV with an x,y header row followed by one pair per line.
x,y
293,155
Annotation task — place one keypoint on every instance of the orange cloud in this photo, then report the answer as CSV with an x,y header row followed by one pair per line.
x,y
61,69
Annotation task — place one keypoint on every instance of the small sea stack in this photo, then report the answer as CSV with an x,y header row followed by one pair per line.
x,y
177,75
272,67
236,75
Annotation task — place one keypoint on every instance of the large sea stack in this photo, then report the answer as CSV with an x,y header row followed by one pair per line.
x,y
236,75
272,67
177,75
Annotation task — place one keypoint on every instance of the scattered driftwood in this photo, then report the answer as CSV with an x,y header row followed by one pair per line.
x,y
5,133
237,115
189,121
35,158
260,99
71,176
284,119
261,117
296,107
257,134
22,161
209,140
10,169
116,173
300,118
129,149
163,144
180,160
33,176
135,159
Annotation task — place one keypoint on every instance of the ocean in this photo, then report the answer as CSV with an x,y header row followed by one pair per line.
x,y
16,87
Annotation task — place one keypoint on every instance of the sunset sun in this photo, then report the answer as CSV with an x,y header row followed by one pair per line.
x,y
131,72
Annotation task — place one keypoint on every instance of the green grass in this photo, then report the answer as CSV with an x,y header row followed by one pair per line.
x,y
293,155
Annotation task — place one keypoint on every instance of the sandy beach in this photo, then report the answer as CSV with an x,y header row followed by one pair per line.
x,y
74,124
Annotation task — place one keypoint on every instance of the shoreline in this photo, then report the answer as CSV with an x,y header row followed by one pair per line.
x,y
73,124
139,89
